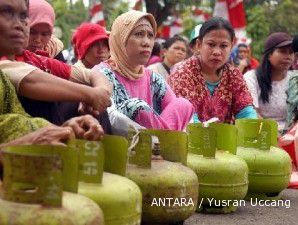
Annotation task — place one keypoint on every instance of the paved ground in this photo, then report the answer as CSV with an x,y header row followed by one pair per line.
x,y
254,215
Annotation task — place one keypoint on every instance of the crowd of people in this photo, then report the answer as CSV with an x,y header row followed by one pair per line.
x,y
125,78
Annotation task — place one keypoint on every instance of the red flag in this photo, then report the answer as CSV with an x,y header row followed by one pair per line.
x,y
164,31
200,16
170,28
236,13
233,10
96,12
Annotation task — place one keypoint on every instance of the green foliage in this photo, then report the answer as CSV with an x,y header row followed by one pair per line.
x,y
68,18
188,22
263,18
112,10
252,3
284,17
257,28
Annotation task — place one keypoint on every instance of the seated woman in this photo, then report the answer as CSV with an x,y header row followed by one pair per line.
x,y
243,58
39,85
269,82
289,141
139,93
175,51
47,107
90,42
91,45
41,23
16,126
208,81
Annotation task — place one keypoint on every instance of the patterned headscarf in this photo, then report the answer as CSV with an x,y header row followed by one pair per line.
x,y
121,29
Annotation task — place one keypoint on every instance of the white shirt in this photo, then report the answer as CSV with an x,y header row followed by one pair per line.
x,y
159,68
276,108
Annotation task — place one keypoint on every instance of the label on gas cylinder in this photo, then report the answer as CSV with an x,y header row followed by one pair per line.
x,y
91,161
208,142
264,136
255,134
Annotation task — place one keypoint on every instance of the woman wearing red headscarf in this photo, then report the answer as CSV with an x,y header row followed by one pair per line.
x,y
91,47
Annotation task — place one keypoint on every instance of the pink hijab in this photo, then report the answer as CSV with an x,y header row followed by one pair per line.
x,y
40,11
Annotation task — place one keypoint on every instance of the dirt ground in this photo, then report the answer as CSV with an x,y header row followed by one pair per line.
x,y
284,214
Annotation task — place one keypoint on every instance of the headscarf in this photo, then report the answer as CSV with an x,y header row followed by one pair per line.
x,y
40,11
54,47
121,29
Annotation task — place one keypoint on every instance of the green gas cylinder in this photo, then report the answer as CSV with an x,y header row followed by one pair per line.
x,y
223,176
32,191
170,189
119,198
269,166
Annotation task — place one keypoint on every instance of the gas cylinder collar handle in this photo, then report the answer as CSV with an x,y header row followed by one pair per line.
x,y
134,141
208,122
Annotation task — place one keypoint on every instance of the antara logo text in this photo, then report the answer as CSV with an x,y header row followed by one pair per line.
x,y
172,202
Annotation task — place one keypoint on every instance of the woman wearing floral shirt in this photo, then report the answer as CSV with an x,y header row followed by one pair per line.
x,y
214,87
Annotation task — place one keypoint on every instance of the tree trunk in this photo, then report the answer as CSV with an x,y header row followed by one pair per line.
x,y
158,11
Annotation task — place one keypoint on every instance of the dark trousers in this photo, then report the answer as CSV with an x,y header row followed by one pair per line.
x,y
59,112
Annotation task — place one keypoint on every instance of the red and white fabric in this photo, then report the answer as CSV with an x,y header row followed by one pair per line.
x,y
294,180
200,15
170,28
289,142
96,13
233,11
176,27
